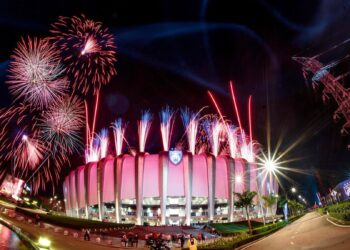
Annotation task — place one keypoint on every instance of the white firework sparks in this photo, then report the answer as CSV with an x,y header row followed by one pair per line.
x,y
35,73
61,124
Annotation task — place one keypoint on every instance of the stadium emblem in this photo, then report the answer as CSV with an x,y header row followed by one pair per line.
x,y
175,156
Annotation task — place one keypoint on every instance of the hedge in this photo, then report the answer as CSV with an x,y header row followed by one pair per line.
x,y
74,223
340,211
268,227
242,239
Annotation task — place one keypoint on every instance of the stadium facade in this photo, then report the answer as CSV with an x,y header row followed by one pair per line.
x,y
173,187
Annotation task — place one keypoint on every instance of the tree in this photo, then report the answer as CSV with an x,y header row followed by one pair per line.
x,y
269,201
245,200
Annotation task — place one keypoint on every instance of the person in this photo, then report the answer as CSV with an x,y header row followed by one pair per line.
x,y
192,243
86,234
136,239
125,239
182,240
37,218
199,237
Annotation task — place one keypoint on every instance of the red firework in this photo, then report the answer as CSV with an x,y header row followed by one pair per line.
x,y
87,49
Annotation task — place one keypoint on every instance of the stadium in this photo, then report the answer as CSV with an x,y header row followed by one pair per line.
x,y
173,187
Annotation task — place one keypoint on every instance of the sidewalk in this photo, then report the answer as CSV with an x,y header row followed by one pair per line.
x,y
60,241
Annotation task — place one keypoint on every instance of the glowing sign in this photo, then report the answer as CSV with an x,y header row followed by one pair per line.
x,y
12,186
175,156
346,188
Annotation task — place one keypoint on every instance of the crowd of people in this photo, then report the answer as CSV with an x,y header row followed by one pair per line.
x,y
161,241
130,240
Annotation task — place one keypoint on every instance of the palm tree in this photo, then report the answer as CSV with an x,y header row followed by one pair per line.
x,y
245,200
270,200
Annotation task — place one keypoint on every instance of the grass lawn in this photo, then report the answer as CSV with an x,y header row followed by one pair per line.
x,y
235,227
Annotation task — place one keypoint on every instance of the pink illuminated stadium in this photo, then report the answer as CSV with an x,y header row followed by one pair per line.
x,y
151,188
175,186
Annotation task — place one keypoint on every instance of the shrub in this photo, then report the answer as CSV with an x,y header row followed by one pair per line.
x,y
340,211
241,239
71,222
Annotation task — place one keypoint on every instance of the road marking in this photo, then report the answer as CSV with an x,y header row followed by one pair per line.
x,y
337,225
264,238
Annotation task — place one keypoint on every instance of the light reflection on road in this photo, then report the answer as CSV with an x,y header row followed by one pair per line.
x,y
9,240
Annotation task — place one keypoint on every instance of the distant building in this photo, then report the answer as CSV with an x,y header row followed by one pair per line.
x,y
343,190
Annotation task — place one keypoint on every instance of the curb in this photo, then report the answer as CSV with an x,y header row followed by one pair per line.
x,y
18,231
330,219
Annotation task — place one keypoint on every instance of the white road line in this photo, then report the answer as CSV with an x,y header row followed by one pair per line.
x,y
337,225
264,238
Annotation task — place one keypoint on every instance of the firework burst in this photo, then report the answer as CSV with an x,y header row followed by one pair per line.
x,y
216,130
166,126
143,128
232,139
104,141
88,51
118,132
29,152
190,121
61,124
35,73
92,153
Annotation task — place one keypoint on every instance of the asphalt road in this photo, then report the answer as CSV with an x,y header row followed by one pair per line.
x,y
312,231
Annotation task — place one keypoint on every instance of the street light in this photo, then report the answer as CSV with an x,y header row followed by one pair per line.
x,y
44,243
293,189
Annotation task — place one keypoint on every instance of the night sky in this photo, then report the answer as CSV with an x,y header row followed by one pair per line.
x,y
172,52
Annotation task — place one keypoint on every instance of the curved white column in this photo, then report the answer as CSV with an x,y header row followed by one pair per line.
x,y
163,187
211,168
118,164
188,170
139,174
